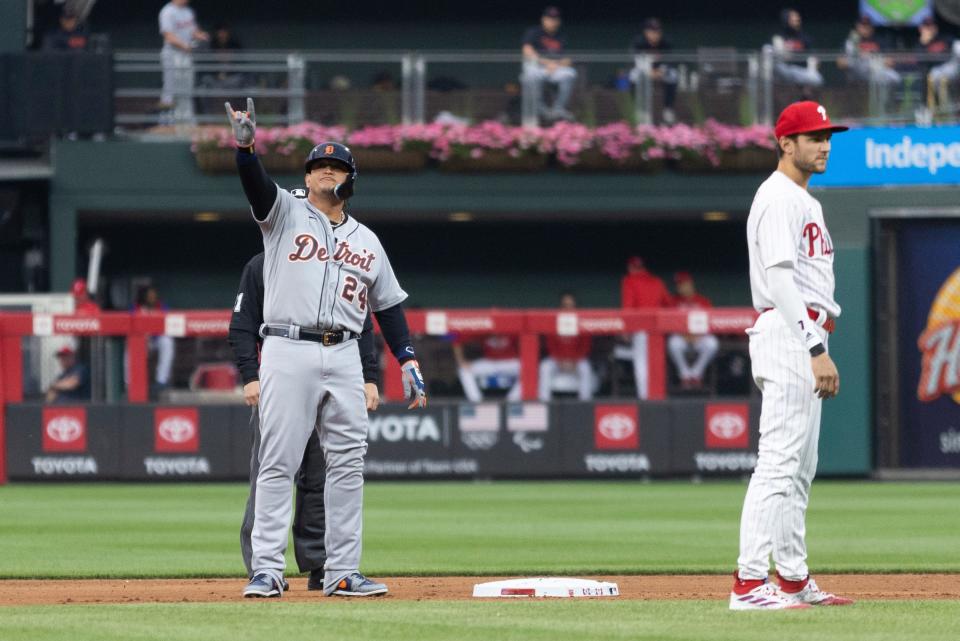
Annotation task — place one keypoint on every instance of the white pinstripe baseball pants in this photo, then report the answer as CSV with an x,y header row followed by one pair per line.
x,y
774,510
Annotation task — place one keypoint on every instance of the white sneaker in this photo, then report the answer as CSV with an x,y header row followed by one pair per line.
x,y
813,595
765,597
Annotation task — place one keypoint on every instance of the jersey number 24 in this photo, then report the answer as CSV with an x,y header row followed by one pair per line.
x,y
350,292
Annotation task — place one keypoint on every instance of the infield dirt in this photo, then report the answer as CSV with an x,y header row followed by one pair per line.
x,y
52,591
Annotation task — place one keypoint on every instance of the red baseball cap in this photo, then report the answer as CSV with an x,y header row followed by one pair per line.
x,y
79,288
682,277
804,117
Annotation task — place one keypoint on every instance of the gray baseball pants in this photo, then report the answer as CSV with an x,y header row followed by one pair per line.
x,y
306,386
308,515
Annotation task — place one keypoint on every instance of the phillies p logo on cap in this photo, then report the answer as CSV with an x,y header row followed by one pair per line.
x,y
804,117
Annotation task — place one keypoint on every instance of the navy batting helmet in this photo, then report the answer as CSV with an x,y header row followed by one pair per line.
x,y
338,152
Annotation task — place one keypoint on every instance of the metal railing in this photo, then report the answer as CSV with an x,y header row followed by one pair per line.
x,y
738,87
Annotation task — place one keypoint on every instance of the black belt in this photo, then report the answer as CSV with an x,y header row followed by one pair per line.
x,y
324,337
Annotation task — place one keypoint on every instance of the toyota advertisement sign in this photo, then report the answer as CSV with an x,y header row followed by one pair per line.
x,y
446,440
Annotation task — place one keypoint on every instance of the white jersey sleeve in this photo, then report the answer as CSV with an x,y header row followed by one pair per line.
x,y
786,227
778,227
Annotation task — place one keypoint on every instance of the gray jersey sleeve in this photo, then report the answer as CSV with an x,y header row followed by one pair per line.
x,y
278,215
386,291
179,21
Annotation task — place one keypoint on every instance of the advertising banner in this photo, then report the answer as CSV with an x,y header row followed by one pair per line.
x,y
929,343
714,437
63,442
447,440
615,439
896,13
511,440
878,156
178,443
406,443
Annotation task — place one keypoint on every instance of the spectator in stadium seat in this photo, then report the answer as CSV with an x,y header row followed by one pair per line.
x,y
567,360
178,27
71,35
499,367
863,55
639,289
224,43
73,383
543,47
790,47
702,347
82,303
652,43
932,41
148,301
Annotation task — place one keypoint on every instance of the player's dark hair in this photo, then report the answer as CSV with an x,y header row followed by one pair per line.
x,y
792,137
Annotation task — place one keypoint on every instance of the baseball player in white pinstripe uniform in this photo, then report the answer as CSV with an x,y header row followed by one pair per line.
x,y
791,280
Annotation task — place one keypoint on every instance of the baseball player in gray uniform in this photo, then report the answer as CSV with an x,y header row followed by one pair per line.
x,y
792,284
322,271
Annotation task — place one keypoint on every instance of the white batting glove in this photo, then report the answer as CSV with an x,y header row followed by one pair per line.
x,y
244,123
413,387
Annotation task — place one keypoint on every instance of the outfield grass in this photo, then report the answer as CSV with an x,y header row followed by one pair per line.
x,y
465,620
103,530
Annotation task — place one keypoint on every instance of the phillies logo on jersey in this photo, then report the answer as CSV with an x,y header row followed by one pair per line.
x,y
176,429
817,238
64,429
616,427
309,248
725,426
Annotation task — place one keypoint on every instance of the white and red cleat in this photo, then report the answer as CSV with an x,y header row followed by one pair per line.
x,y
807,591
761,595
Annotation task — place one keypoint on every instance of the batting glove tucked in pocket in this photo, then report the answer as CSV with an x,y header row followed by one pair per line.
x,y
413,387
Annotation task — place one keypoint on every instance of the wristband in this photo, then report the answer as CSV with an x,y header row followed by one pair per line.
x,y
818,349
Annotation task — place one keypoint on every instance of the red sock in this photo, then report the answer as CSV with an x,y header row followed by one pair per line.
x,y
742,586
792,586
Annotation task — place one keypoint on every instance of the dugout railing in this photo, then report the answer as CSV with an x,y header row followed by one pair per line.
x,y
135,330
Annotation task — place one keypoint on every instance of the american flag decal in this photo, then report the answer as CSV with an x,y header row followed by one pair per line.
x,y
480,417
527,417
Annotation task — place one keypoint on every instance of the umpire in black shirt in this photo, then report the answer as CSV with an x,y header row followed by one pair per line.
x,y
308,518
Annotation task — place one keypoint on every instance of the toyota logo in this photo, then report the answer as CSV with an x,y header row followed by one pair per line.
x,y
727,425
64,429
617,427
177,429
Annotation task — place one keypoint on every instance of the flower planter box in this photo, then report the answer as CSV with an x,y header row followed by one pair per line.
x,y
748,160
385,159
495,160
216,161
223,161
279,164
689,162
595,160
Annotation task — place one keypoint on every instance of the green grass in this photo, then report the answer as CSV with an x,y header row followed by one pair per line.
x,y
465,620
78,530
